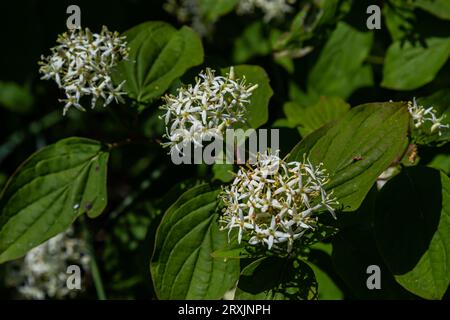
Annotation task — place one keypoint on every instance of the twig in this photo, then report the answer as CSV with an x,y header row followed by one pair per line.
x,y
96,276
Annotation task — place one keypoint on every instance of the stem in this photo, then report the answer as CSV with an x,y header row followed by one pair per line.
x,y
98,283
407,150
96,276
375,60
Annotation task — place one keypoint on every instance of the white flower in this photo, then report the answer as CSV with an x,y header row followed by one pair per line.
x,y
271,8
42,273
420,116
81,65
386,175
274,201
206,109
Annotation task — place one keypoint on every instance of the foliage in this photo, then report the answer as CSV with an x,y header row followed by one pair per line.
x,y
340,95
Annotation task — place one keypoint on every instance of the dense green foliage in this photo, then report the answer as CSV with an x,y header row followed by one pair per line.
x,y
339,93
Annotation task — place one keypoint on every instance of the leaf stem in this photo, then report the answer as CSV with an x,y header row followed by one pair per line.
x,y
98,283
375,60
96,276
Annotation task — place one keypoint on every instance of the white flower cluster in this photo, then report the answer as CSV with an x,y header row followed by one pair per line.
x,y
420,115
42,273
206,109
81,64
275,201
271,8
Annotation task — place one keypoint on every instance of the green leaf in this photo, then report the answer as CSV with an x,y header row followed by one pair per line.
x,y
409,66
412,228
15,97
182,266
252,42
273,278
321,265
357,148
313,117
440,8
234,249
340,69
213,9
332,11
321,232
441,162
327,288
300,97
234,253
49,191
309,21
400,19
223,172
282,123
159,54
258,109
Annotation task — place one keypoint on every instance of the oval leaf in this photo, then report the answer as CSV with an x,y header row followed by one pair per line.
x,y
308,119
159,54
49,191
440,8
412,228
357,149
441,162
409,66
182,266
212,10
340,69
